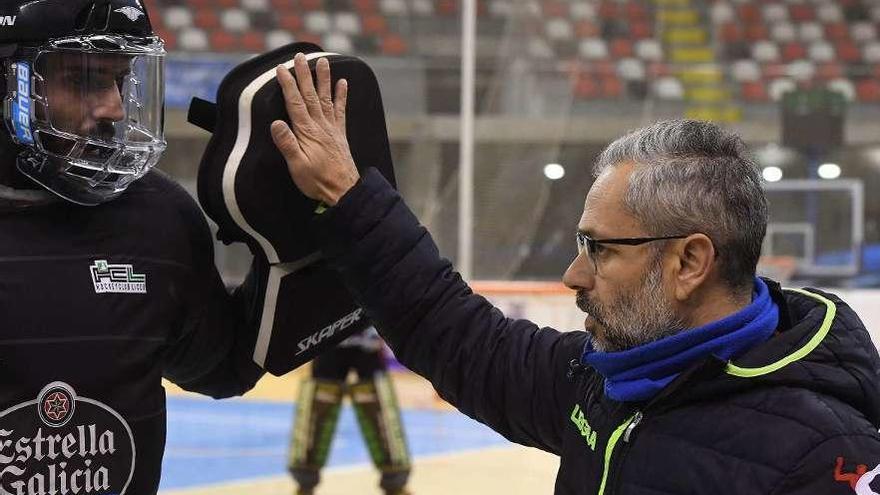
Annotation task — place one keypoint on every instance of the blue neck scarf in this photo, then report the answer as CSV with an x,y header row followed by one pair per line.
x,y
637,374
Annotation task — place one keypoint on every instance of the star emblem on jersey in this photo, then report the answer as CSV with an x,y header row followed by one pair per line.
x,y
56,405
132,13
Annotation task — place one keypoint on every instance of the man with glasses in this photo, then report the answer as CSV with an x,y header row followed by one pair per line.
x,y
693,375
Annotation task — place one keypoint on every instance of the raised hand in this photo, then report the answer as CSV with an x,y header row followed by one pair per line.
x,y
316,148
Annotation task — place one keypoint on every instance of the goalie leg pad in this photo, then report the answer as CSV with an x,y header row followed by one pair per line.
x,y
378,415
317,413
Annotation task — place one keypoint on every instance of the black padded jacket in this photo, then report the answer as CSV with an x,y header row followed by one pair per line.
x,y
798,414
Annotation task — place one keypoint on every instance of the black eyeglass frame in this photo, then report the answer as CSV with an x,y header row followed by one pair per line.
x,y
587,244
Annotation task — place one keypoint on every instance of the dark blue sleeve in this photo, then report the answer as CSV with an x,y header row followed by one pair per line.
x,y
508,374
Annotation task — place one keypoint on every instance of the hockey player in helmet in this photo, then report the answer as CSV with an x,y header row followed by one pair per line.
x,y
85,94
99,299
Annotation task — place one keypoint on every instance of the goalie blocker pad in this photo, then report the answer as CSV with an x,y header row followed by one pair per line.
x,y
244,186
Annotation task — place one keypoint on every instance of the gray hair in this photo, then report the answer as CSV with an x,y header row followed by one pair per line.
x,y
690,177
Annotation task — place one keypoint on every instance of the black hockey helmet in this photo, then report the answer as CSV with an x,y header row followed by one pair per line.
x,y
84,95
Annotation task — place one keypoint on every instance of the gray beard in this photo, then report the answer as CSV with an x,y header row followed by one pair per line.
x,y
633,318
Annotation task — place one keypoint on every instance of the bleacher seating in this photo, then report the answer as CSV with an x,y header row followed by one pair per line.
x,y
777,44
611,48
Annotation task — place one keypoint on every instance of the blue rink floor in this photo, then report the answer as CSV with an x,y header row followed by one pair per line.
x,y
221,441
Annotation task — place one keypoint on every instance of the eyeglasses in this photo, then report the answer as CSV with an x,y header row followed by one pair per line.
x,y
590,246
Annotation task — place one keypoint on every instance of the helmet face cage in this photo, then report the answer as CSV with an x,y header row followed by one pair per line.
x,y
89,112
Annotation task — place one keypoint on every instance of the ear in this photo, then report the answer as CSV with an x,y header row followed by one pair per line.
x,y
695,260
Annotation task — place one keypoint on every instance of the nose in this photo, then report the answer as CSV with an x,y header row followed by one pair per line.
x,y
107,105
579,275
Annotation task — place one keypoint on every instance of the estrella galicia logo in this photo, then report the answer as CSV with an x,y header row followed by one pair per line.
x,y
88,449
118,278
21,105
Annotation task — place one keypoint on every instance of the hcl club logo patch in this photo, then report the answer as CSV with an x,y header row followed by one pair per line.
x,y
117,278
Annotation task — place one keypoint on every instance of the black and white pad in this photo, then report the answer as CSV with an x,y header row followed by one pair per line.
x,y
245,188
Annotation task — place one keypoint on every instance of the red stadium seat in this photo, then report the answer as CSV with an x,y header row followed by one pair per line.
x,y
749,13
585,87
311,5
802,12
754,91
206,19
200,4
774,71
374,24
393,44
290,22
793,51
868,90
222,41
731,32
641,30
446,7
757,32
609,10
253,42
366,6
586,29
555,9
658,69
283,5
829,71
603,68
612,87
621,48
636,11
837,31
225,4
847,51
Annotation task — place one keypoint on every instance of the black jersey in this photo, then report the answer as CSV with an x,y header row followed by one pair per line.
x,y
97,304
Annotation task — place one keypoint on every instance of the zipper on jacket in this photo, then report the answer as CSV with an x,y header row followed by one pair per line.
x,y
623,430
575,368
632,426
